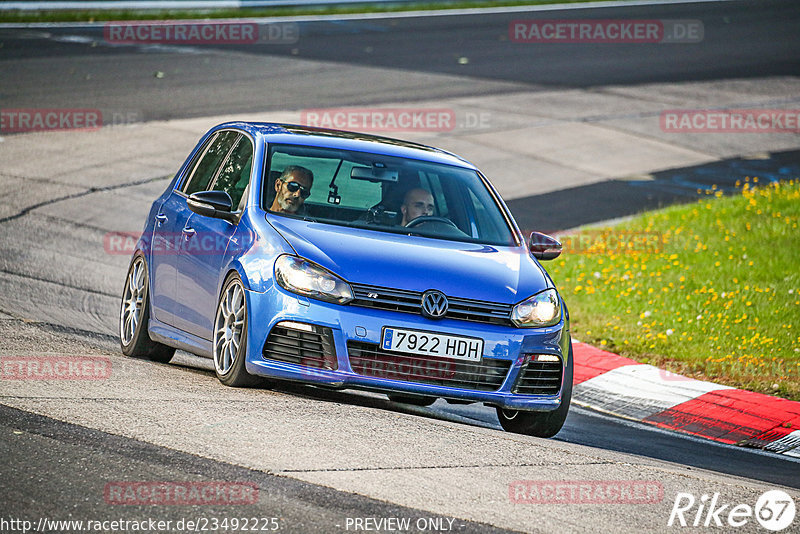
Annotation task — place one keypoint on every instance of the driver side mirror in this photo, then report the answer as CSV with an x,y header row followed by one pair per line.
x,y
544,247
216,204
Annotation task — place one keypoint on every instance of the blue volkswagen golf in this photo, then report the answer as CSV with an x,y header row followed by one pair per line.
x,y
348,260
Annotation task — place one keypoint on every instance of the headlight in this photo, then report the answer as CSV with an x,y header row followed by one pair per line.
x,y
307,278
542,309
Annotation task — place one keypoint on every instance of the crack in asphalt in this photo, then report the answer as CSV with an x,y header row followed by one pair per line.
x,y
49,181
93,291
76,224
89,191
455,466
61,284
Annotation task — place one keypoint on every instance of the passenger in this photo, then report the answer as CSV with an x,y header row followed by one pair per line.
x,y
292,188
417,203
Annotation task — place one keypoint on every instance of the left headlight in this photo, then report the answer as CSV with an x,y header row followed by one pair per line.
x,y
306,278
542,309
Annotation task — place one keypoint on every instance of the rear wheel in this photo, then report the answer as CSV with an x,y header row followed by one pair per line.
x,y
230,335
416,400
134,315
540,424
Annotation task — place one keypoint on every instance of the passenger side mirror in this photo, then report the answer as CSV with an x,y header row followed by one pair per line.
x,y
544,247
216,204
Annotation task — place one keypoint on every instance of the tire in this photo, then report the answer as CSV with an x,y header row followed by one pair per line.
x,y
415,400
230,335
134,316
540,424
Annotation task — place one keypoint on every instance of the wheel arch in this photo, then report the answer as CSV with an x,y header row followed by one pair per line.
x,y
256,273
235,268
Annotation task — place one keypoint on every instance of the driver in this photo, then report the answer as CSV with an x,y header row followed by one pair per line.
x,y
292,188
418,202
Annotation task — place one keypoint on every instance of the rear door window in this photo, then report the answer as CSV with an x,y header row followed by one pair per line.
x,y
234,176
209,163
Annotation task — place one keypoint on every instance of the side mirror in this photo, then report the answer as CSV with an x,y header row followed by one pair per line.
x,y
216,204
544,247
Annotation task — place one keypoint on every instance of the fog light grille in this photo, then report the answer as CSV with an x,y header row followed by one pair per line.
x,y
539,378
301,344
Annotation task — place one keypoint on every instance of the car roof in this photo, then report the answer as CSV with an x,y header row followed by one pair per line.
x,y
293,134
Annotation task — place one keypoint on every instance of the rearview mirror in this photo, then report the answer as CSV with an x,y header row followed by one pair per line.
x,y
544,247
216,204
374,174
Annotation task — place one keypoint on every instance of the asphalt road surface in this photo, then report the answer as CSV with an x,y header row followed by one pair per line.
x,y
320,457
76,67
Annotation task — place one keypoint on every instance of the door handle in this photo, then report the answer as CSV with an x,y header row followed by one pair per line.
x,y
189,231
161,218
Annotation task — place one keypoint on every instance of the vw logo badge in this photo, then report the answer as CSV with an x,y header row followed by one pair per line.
x,y
434,304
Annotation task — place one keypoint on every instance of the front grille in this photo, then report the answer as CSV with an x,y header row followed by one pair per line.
x,y
292,343
539,378
401,300
385,298
369,359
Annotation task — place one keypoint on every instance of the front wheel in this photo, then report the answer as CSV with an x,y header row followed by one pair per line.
x,y
540,424
134,315
230,335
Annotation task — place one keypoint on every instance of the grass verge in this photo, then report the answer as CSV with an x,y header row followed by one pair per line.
x,y
710,290
343,9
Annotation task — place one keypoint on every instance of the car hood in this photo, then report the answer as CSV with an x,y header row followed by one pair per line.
x,y
467,270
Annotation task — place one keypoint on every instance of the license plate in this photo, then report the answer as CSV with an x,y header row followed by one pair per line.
x,y
432,344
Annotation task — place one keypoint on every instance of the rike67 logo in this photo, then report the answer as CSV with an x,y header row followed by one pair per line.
x,y
774,510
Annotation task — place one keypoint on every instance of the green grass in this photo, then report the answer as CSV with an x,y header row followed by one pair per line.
x,y
344,9
710,290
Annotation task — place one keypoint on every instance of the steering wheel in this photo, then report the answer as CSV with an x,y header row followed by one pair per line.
x,y
429,218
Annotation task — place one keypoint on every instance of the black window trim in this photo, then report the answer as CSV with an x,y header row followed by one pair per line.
x,y
187,176
213,179
190,170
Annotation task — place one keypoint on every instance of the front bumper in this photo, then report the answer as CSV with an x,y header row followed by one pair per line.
x,y
504,347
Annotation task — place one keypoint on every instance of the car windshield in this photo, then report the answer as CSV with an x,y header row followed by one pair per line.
x,y
383,193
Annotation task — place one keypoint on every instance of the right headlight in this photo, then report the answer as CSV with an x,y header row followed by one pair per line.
x,y
542,309
306,278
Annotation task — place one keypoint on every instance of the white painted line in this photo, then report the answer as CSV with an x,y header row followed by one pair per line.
x,y
788,445
639,391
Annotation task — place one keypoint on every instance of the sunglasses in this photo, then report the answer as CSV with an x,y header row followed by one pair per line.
x,y
294,187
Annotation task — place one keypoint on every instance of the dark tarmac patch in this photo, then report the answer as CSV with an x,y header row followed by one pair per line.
x,y
597,202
